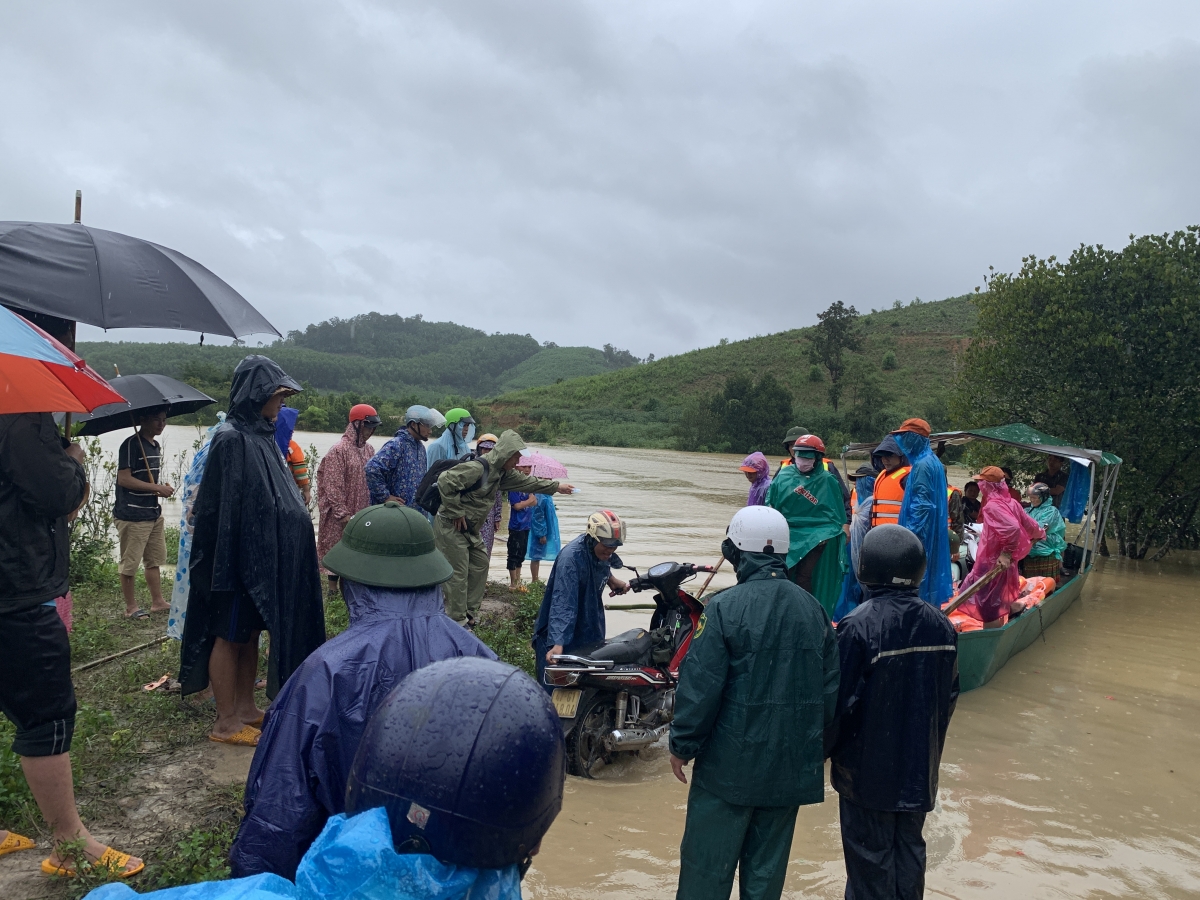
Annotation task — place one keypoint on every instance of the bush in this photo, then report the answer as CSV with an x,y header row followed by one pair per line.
x,y
313,419
889,361
815,374
171,533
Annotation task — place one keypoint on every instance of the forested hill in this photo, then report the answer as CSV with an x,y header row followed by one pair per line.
x,y
729,396
374,354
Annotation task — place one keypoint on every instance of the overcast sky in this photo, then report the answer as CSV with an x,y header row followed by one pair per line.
x,y
654,174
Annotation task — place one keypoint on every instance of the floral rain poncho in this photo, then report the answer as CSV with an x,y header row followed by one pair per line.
x,y
341,487
397,469
1006,527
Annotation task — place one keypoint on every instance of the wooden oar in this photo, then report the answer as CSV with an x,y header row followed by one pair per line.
x,y
973,589
715,570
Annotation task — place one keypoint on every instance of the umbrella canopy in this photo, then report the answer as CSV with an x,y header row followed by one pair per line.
x,y
544,466
143,392
38,374
114,281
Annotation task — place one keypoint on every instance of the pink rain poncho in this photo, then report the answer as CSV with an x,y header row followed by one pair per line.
x,y
1006,526
341,487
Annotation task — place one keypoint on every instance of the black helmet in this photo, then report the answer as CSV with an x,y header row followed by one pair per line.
x,y
466,755
891,556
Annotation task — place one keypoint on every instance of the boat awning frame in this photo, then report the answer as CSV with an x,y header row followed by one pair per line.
x,y
1017,435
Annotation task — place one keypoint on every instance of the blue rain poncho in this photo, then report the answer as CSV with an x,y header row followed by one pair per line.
x,y
309,738
285,427
1052,523
1074,499
183,565
450,444
544,525
352,859
852,593
925,513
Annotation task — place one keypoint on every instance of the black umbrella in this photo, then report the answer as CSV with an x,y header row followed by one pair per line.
x,y
143,392
114,281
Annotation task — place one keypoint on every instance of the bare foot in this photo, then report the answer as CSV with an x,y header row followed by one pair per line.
x,y
225,728
166,607
252,716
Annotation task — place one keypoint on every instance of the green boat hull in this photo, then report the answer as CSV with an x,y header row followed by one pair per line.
x,y
981,654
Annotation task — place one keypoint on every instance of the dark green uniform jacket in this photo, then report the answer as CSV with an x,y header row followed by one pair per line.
x,y
757,689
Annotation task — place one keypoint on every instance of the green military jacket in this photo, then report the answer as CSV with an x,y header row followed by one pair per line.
x,y
757,689
475,505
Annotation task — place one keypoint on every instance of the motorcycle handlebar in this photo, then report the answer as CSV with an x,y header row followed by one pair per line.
x,y
643,582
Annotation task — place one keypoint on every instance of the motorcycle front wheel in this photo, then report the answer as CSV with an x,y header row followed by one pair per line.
x,y
585,742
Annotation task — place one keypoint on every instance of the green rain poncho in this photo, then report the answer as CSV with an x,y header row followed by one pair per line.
x,y
813,507
1052,522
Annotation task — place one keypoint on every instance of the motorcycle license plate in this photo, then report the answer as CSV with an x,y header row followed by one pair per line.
x,y
566,702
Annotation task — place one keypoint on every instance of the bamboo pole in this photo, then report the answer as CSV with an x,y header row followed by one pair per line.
x,y
720,563
102,660
973,589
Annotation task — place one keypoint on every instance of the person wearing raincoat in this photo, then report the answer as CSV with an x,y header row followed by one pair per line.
x,y
852,593
293,453
391,579
342,480
545,541
1045,557
455,441
1008,534
487,531
756,692
924,510
254,560
395,472
468,494
758,472
810,498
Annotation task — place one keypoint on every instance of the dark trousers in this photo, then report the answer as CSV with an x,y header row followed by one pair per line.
x,y
885,853
802,572
720,838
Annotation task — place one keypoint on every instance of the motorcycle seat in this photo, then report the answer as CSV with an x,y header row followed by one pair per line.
x,y
630,647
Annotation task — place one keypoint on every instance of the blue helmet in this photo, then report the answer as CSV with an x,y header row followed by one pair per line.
x,y
466,755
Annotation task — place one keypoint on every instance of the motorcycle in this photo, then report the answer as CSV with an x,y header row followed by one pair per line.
x,y
620,696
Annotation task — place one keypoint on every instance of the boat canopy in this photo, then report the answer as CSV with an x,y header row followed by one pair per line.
x,y
1015,435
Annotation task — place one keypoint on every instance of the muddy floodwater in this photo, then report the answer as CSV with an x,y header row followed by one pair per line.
x,y
1073,773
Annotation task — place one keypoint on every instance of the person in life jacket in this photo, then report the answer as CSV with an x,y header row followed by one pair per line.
x,y
893,468
795,433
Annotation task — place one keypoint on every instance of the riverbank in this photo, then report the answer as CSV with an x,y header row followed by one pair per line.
x,y
147,779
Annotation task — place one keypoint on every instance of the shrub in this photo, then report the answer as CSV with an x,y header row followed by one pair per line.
x,y
889,361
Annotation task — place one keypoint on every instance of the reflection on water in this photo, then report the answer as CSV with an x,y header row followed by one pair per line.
x,y
1072,774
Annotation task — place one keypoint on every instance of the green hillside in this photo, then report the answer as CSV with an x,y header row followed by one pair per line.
x,y
555,364
904,369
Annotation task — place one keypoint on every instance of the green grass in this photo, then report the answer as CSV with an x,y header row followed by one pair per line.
x,y
509,635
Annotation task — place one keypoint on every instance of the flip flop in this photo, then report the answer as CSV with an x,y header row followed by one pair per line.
x,y
247,737
15,842
110,859
138,614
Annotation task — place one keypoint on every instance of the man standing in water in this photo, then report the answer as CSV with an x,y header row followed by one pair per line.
x,y
756,692
899,684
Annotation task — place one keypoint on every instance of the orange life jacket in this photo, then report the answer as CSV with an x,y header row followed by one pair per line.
x,y
889,494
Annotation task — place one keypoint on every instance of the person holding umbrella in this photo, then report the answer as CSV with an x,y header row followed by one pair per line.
x,y
137,513
42,484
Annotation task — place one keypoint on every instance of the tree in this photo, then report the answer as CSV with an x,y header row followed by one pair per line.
x,y
836,334
749,412
1101,352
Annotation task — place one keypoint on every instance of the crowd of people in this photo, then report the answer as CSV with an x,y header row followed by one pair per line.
x,y
769,685
906,484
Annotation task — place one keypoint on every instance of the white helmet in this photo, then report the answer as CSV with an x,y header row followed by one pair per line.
x,y
759,529
425,416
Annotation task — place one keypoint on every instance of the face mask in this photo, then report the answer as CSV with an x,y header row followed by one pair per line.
x,y
730,551
805,464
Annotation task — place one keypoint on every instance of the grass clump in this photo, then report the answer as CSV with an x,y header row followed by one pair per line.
x,y
509,631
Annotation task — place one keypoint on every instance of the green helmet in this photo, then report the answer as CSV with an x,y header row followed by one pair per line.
x,y
458,414
389,545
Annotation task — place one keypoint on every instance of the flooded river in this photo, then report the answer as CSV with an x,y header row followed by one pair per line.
x,y
1072,774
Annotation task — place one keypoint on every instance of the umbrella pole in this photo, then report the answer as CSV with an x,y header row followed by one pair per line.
x,y
142,447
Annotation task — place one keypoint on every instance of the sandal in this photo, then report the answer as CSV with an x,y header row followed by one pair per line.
x,y
15,842
138,613
110,859
247,737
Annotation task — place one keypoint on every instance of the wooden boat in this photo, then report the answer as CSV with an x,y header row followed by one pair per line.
x,y
981,654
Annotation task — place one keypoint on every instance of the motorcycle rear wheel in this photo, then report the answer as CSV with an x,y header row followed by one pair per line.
x,y
585,743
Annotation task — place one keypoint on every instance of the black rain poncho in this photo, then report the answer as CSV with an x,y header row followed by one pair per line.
x,y
253,535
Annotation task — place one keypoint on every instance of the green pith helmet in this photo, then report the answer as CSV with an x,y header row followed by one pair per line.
x,y
794,434
458,414
389,545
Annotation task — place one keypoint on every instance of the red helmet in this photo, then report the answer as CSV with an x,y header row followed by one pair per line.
x,y
364,412
809,442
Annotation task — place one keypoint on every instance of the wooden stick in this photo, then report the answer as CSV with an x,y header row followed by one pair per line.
x,y
973,589
112,656
142,447
630,606
710,577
